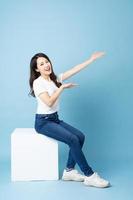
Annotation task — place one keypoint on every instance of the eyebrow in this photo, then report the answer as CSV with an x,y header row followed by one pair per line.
x,y
43,62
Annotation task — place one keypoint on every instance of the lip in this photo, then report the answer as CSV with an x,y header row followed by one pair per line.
x,y
47,69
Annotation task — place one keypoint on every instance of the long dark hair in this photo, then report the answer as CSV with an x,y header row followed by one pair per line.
x,y
34,74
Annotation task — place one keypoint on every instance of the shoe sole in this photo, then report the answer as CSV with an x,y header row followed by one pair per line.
x,y
67,179
106,186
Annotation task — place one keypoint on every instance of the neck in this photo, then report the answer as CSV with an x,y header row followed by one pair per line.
x,y
46,77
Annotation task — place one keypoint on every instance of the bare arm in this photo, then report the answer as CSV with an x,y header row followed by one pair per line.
x,y
50,100
81,66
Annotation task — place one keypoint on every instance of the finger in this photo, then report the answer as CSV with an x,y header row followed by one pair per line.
x,y
102,53
74,85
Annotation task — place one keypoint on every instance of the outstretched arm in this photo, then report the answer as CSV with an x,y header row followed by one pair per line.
x,y
81,66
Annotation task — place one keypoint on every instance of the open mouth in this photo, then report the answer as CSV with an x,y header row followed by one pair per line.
x,y
47,69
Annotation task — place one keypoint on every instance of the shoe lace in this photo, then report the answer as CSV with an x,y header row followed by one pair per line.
x,y
97,176
76,172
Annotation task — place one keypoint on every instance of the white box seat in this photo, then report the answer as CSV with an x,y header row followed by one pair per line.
x,y
33,156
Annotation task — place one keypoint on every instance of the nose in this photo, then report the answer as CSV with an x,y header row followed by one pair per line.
x,y
47,65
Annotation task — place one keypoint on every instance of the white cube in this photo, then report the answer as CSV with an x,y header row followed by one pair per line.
x,y
33,156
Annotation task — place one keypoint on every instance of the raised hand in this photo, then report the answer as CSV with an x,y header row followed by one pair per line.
x,y
97,55
68,85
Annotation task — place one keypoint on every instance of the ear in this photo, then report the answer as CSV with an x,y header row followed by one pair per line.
x,y
37,70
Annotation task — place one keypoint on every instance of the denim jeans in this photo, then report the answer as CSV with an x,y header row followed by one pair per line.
x,y
51,126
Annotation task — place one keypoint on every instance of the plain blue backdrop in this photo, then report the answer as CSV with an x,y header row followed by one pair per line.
x,y
101,106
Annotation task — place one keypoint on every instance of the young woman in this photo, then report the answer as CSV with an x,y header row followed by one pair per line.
x,y
47,88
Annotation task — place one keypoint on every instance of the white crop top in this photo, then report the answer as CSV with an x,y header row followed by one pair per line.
x,y
41,85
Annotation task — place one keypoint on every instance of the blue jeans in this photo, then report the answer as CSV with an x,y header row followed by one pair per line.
x,y
51,126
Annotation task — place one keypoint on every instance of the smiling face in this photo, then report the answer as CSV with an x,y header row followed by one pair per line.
x,y
43,66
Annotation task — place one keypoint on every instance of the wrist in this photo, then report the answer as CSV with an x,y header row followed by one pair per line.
x,y
61,87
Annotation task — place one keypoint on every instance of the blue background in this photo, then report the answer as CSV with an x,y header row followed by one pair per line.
x,y
101,106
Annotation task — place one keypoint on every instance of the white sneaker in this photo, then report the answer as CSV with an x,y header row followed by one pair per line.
x,y
72,175
96,181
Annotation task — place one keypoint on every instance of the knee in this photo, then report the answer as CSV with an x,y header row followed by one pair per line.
x,y
82,138
74,140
